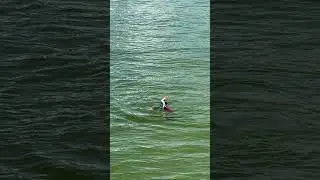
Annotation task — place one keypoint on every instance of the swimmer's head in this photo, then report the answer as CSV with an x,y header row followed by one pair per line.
x,y
166,97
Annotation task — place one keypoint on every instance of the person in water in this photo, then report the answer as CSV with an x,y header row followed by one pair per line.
x,y
162,105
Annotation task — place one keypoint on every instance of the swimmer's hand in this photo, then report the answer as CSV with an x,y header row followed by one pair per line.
x,y
151,108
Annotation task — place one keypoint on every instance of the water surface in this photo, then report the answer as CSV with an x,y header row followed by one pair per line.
x,y
159,48
265,89
53,92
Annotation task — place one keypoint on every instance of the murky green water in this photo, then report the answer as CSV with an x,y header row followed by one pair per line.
x,y
160,48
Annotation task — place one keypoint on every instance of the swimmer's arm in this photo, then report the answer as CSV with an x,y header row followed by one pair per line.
x,y
163,103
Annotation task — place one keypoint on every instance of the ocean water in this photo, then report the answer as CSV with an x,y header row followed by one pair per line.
x,y
265,90
159,48
53,92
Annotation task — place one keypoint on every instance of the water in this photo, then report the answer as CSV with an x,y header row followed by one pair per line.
x,y
159,48
265,89
53,92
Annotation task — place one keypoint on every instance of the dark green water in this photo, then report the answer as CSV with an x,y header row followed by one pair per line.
x,y
53,92
159,48
265,89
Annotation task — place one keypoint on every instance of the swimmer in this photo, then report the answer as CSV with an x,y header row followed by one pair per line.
x,y
163,104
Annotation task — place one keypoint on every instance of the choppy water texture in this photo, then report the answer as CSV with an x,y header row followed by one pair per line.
x,y
53,94
266,90
159,48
